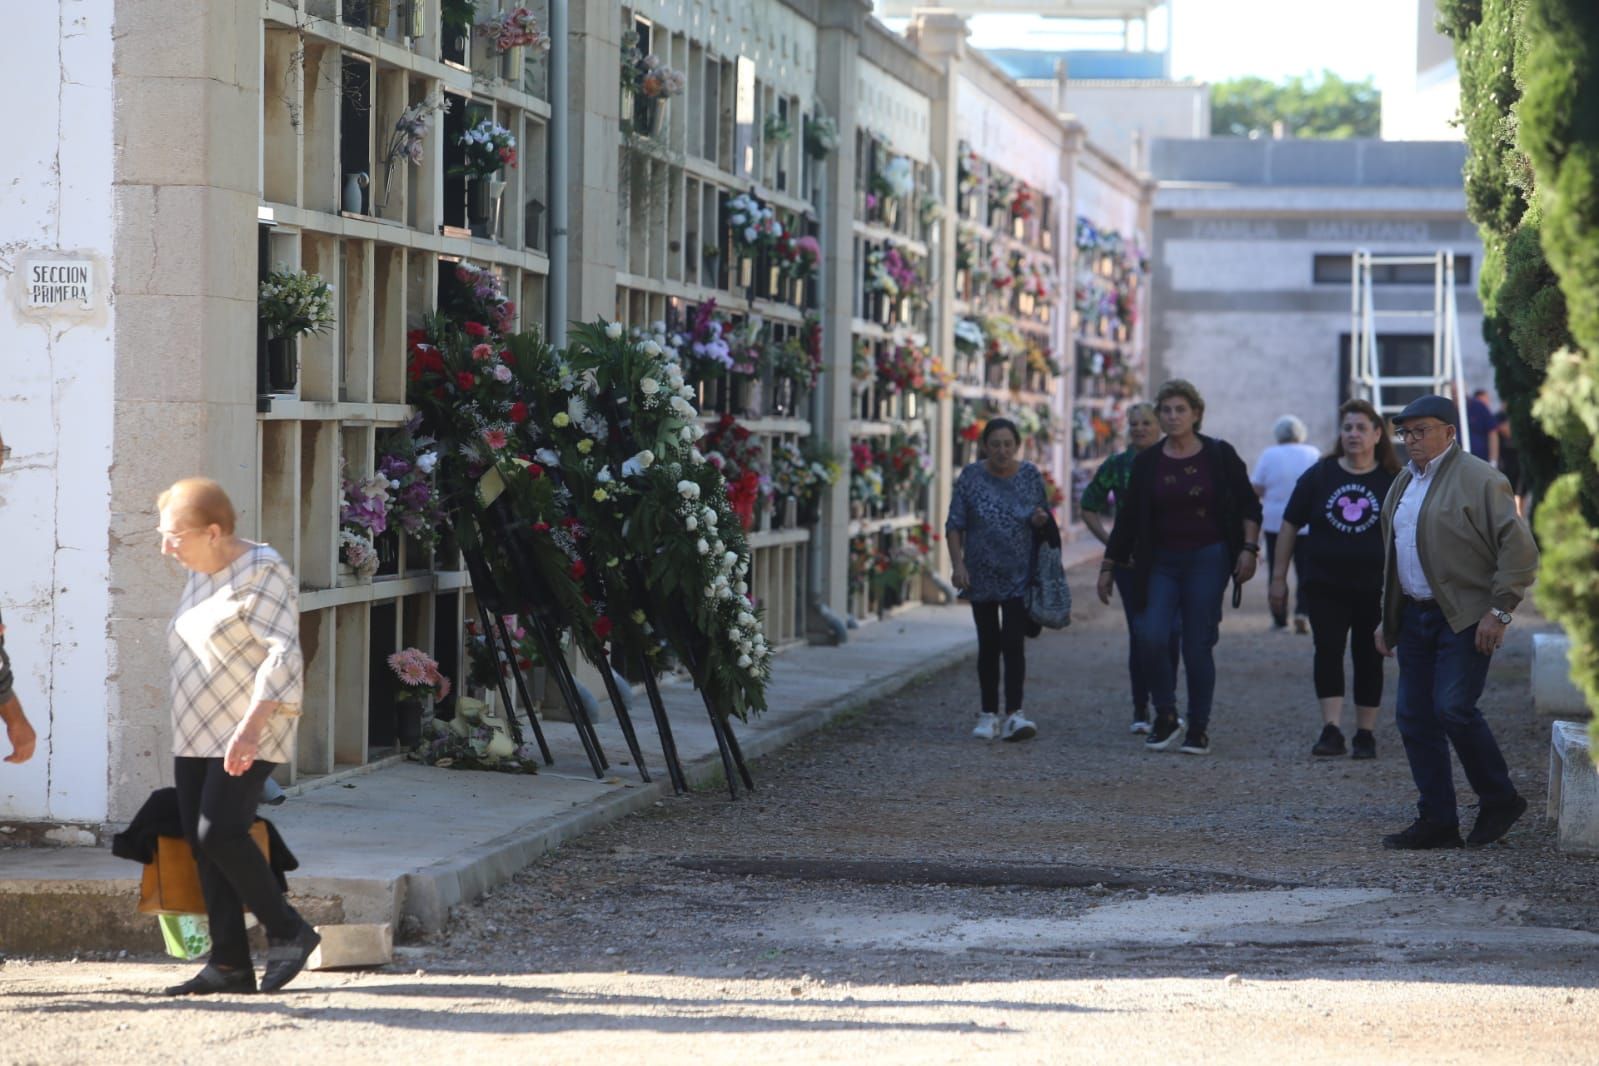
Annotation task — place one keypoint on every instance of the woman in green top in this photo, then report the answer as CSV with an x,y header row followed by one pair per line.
x,y
1110,481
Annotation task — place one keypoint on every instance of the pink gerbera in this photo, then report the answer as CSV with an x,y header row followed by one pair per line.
x,y
495,438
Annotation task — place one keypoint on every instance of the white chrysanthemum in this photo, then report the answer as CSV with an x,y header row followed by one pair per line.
x,y
730,558
744,660
743,588
689,490
576,409
691,523
702,547
614,330
650,348
745,618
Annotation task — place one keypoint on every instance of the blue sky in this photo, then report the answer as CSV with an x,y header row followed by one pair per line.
x,y
1219,39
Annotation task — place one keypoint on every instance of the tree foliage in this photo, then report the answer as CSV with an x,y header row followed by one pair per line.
x,y
1330,107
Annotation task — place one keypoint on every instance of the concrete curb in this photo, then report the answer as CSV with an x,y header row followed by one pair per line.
x,y
428,894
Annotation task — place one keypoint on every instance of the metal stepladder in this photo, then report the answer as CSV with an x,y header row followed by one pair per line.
x,y
1366,371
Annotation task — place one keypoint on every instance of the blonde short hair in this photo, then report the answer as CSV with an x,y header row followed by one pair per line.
x,y
201,501
1142,407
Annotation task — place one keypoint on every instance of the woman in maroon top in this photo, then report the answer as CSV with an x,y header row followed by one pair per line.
x,y
1191,521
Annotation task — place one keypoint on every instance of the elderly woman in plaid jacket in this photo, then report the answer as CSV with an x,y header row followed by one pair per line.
x,y
237,679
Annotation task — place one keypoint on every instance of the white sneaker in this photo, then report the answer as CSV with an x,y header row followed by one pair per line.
x,y
987,727
1018,728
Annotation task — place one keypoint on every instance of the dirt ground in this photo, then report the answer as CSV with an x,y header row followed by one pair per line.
x,y
899,890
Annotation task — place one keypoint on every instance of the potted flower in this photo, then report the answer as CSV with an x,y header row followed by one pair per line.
x,y
509,33
419,681
487,147
646,81
291,304
821,136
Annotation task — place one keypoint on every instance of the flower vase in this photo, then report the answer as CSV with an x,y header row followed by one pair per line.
x,y
483,205
749,395
784,392
408,723
889,208
809,511
282,364
646,115
788,513
387,545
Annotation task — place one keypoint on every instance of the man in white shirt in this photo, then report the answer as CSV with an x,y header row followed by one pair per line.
x,y
1459,560
1277,471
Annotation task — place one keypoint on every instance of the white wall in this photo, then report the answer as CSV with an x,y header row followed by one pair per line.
x,y
1123,117
56,403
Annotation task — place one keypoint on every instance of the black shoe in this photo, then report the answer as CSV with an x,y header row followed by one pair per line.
x,y
1196,742
1494,821
1423,835
1331,741
1364,746
286,958
214,980
1165,732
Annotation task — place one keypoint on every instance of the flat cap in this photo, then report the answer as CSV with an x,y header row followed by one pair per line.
x,y
1440,407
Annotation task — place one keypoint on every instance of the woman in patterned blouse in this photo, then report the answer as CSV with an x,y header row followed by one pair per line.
x,y
996,504
237,678
1108,490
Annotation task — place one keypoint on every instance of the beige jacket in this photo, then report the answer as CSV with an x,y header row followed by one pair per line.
x,y
1476,551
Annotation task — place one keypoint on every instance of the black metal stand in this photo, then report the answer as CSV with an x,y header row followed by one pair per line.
x,y
652,688
623,719
521,690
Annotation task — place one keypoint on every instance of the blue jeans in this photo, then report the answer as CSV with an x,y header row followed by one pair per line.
x,y
1124,578
1441,677
1185,591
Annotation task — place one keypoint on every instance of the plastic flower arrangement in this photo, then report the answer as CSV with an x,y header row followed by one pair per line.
x,y
648,75
821,136
366,504
969,338
415,506
891,272
794,473
357,552
1000,274
798,257
411,129
1001,188
755,225
488,147
418,675
896,178
515,28
906,367
775,130
293,303
908,465
866,477
481,298
863,363
969,170
1022,202
792,360
706,335
473,740
1001,338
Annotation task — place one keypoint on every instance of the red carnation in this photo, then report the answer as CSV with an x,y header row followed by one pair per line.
x,y
536,471
464,380
541,527
476,329
578,570
519,412
602,626
416,336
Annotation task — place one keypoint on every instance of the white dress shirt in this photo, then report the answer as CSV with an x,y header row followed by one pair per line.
x,y
1407,560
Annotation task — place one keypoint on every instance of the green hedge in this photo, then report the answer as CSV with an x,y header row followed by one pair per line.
x,y
1529,81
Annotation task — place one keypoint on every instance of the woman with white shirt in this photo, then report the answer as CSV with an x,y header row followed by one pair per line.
x,y
1276,473
237,681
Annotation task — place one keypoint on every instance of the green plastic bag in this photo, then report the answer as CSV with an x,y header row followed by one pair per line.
x,y
187,936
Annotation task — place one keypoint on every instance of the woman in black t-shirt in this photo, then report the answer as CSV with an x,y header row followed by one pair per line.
x,y
1340,499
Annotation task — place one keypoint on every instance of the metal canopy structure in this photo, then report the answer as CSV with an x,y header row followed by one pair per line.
x,y
1071,9
1387,389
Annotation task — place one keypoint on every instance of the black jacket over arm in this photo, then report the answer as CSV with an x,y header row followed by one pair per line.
x,y
1132,539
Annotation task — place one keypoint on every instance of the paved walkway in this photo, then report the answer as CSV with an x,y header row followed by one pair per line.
x,y
409,842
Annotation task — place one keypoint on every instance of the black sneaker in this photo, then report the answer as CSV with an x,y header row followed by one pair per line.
x,y
213,980
1494,821
1196,742
1140,720
1364,746
1165,732
1423,835
1331,741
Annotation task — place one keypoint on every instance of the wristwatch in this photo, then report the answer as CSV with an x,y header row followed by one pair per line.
x,y
1502,616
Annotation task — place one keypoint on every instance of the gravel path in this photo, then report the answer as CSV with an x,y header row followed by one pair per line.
x,y
900,890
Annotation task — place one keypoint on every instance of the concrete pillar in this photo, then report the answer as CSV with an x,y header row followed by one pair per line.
x,y
1076,138
595,108
940,36
839,27
188,107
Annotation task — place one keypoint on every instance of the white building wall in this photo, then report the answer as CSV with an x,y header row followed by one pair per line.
x,y
56,402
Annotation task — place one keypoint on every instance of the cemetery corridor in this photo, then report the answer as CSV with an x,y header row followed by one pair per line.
x,y
898,890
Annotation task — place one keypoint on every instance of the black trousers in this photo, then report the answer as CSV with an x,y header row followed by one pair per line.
x,y
217,811
998,640
1349,612
1299,584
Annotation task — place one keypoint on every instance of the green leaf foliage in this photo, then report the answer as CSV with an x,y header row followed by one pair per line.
x,y
1568,582
1330,107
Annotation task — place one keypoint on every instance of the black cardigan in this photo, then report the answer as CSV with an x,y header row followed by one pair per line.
x,y
1132,539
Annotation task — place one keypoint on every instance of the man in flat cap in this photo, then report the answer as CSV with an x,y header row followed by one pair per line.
x,y
1459,560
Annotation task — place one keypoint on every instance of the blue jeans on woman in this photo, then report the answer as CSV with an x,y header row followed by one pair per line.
x,y
1441,677
1185,590
1124,578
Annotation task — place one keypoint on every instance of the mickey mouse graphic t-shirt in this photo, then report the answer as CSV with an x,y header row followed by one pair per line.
x,y
1344,513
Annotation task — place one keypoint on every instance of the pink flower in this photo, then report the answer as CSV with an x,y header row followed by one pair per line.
x,y
494,438
502,374
483,352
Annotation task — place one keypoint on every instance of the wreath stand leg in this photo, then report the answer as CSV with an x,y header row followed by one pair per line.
x,y
521,690
623,719
499,681
674,765
726,743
